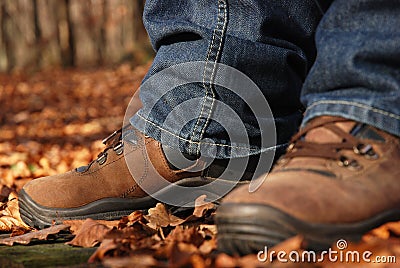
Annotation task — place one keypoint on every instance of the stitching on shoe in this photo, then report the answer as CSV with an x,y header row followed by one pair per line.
x,y
146,171
165,163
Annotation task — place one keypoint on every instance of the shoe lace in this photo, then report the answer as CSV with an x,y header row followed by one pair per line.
x,y
114,142
299,147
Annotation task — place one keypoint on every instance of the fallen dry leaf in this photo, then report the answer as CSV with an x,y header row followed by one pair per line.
x,y
105,247
89,234
4,193
131,219
224,260
208,246
127,238
251,260
7,223
158,217
135,217
135,232
394,228
186,235
10,217
208,230
76,225
34,235
381,232
202,206
248,261
16,231
180,255
136,260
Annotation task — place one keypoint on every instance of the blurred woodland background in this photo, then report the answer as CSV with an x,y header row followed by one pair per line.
x,y
39,34
68,69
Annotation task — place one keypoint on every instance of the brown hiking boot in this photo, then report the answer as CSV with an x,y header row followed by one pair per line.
x,y
338,180
105,189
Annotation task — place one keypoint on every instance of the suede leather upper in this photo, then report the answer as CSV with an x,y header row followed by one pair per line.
x,y
319,190
109,179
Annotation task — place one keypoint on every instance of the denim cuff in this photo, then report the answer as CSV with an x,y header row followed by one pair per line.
x,y
219,149
357,111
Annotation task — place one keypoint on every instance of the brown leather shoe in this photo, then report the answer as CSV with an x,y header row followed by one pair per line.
x,y
105,189
338,180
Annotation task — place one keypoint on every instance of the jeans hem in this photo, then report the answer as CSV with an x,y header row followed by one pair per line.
x,y
357,111
217,149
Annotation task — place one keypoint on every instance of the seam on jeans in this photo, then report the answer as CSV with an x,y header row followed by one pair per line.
x,y
217,32
221,4
204,83
215,68
209,143
356,104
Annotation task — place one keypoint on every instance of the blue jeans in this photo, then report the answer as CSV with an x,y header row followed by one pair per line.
x,y
308,58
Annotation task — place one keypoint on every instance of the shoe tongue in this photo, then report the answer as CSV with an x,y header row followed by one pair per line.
x,y
363,131
358,130
324,135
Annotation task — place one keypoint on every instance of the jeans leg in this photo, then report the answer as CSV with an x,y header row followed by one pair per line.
x,y
357,71
272,42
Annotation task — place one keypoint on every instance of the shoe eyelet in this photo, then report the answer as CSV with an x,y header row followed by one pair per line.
x,y
362,149
372,155
366,150
354,165
343,161
111,136
348,163
119,148
102,158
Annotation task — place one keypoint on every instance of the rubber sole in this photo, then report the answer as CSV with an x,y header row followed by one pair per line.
x,y
39,216
247,228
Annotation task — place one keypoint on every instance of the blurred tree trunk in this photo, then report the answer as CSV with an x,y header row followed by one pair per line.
x,y
37,34
3,53
50,16
86,21
19,32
